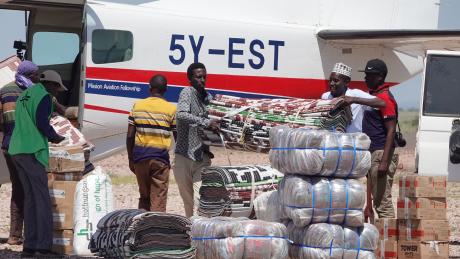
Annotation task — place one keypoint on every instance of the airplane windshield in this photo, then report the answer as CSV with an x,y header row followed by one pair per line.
x,y
442,86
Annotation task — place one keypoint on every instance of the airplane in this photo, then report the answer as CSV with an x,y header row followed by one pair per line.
x,y
106,51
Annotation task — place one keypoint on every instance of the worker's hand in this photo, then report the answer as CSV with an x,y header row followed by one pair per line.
x,y
131,165
58,139
383,169
368,214
215,125
348,100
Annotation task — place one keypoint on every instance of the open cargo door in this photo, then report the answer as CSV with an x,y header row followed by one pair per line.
x,y
19,4
55,40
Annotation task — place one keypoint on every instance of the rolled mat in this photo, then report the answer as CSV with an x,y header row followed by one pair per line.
x,y
231,190
138,234
246,123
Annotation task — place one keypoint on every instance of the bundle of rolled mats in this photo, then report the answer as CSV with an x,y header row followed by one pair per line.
x,y
231,190
238,238
319,152
324,240
245,123
133,233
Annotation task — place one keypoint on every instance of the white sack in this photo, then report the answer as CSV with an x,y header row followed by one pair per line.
x,y
93,200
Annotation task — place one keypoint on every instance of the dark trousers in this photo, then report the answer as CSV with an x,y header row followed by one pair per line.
x,y
38,218
17,200
152,179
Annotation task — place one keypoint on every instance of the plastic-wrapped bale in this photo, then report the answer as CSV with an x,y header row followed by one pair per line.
x,y
324,240
231,190
133,233
306,200
319,152
267,207
238,238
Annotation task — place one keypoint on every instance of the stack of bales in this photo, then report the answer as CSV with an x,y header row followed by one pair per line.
x,y
320,199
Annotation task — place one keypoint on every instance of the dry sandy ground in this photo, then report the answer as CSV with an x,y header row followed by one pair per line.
x,y
125,191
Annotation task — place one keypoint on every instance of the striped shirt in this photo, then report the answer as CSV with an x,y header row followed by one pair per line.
x,y
8,96
154,119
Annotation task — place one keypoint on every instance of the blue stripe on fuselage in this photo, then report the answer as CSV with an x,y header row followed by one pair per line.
x,y
141,90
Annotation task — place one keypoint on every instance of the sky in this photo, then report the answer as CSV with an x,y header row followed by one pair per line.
x,y
407,93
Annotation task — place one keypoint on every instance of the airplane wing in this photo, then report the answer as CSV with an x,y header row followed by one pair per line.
x,y
412,42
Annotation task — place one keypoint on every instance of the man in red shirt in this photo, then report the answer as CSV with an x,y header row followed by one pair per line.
x,y
380,126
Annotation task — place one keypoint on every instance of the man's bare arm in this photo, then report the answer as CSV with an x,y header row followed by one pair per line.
x,y
372,102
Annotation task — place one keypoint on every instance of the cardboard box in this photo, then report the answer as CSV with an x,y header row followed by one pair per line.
x,y
77,176
389,248
388,228
423,250
423,230
63,217
66,159
423,186
63,242
62,193
422,208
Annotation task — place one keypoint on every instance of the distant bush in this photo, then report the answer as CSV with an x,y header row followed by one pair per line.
x,y
408,120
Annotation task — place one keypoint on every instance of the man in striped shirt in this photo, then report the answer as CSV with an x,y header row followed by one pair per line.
x,y
25,77
152,124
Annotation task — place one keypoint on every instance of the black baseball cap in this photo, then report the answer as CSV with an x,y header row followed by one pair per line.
x,y
376,66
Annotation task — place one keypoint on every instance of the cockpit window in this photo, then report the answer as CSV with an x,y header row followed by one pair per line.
x,y
110,46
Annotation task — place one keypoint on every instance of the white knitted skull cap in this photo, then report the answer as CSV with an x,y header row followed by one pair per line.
x,y
342,69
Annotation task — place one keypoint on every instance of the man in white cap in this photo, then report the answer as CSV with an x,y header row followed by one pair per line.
x,y
29,151
338,87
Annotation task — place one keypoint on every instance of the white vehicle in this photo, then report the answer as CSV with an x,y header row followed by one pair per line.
x,y
439,108
106,51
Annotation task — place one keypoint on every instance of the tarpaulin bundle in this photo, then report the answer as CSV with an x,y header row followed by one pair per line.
x,y
246,123
231,190
238,238
306,200
324,240
133,233
267,207
319,152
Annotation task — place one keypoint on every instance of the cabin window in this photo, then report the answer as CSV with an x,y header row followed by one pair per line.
x,y
54,48
110,46
442,86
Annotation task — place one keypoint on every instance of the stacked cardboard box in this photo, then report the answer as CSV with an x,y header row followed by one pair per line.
x,y
388,233
423,231
66,168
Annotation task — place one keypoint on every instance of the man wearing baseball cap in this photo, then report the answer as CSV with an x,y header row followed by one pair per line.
x,y
380,126
53,84
29,151
357,99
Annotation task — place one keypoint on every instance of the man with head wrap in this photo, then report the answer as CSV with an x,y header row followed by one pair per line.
x,y
338,87
26,76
